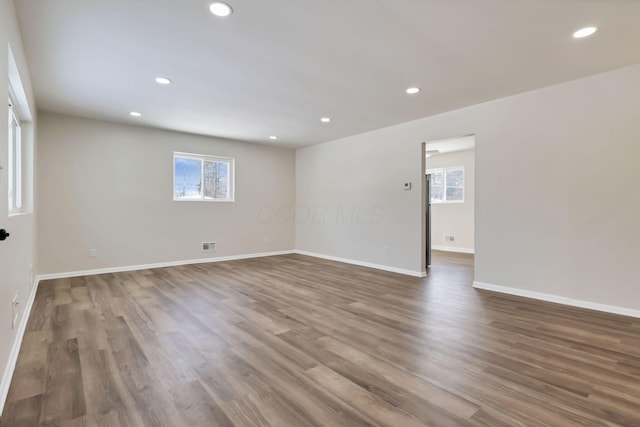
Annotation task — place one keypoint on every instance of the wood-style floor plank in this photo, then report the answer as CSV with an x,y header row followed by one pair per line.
x,y
298,341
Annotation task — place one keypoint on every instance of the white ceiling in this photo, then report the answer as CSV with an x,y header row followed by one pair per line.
x,y
275,67
450,145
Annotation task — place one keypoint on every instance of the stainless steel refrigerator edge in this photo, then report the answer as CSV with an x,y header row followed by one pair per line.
x,y
428,223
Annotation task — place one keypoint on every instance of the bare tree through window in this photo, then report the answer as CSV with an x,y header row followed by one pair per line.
x,y
447,185
200,177
215,180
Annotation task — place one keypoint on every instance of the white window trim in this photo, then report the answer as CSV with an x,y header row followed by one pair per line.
x,y
444,178
14,162
232,177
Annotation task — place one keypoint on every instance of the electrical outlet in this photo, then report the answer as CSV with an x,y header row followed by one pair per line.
x,y
385,249
93,253
15,309
449,239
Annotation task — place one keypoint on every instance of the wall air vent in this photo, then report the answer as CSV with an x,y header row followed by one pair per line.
x,y
208,246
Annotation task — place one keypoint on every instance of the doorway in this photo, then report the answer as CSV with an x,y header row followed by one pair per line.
x,y
449,198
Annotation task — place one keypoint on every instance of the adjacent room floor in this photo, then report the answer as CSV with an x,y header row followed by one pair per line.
x,y
297,341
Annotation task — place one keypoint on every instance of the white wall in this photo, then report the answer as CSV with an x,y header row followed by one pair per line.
x,y
17,253
454,219
557,205
109,187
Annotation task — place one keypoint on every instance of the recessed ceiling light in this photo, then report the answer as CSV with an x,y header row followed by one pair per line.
x,y
220,9
135,114
325,120
163,81
584,32
273,137
413,90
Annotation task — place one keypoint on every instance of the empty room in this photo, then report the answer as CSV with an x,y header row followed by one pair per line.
x,y
296,213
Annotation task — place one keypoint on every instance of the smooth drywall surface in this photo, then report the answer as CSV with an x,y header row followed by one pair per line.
x,y
557,206
352,202
109,187
17,253
454,219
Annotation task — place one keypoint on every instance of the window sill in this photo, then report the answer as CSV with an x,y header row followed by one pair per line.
x,y
205,201
16,214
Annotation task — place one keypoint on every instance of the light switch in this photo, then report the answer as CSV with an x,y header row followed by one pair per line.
x,y
407,186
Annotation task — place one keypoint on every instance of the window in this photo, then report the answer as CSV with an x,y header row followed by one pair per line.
x,y
447,185
15,161
202,178
19,154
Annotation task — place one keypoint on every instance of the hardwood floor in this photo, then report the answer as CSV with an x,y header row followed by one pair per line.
x,y
297,341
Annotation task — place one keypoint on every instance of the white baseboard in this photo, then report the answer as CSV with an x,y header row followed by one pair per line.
x,y
67,274
15,348
453,249
558,299
365,264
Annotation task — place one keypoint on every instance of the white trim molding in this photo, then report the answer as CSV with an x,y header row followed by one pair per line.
x,y
453,249
67,274
557,299
365,264
79,273
15,348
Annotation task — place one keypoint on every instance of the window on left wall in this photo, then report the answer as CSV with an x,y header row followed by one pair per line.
x,y
19,154
15,160
198,177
